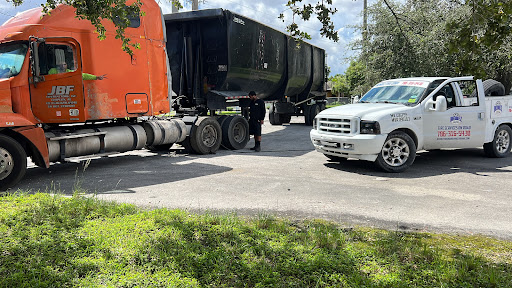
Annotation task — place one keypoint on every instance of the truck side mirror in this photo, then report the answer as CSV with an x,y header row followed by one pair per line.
x,y
439,105
34,59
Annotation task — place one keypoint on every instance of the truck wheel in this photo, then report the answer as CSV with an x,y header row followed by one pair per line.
x,y
307,115
285,118
235,132
500,145
397,154
13,162
273,117
205,135
312,111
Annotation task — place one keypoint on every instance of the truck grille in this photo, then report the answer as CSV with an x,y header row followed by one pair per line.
x,y
334,125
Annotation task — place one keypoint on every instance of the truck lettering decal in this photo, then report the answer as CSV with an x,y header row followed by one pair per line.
x,y
400,117
455,132
61,97
238,20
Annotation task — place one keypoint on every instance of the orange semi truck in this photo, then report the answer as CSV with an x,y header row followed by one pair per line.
x,y
54,109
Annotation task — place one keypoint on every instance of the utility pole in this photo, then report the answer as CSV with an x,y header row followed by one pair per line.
x,y
365,21
195,5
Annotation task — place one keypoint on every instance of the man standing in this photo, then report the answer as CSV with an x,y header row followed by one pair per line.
x,y
256,116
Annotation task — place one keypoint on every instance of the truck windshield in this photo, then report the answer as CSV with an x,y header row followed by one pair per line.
x,y
398,92
12,56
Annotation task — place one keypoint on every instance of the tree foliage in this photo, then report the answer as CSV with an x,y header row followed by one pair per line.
x,y
438,38
322,10
353,82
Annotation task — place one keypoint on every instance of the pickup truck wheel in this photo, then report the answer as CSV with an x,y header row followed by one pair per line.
x,y
205,135
13,162
500,145
397,154
235,132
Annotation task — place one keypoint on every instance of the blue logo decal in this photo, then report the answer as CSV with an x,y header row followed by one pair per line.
x,y
456,118
498,108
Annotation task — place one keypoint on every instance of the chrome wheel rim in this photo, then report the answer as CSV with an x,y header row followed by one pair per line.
x,y
209,136
6,163
503,141
395,152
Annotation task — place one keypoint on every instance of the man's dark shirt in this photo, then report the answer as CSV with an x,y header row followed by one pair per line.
x,y
257,110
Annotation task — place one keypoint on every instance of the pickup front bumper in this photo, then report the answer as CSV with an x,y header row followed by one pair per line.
x,y
360,146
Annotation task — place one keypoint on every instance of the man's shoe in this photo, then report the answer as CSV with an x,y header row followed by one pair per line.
x,y
253,148
257,149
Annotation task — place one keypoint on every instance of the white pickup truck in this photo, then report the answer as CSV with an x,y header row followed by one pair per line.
x,y
398,117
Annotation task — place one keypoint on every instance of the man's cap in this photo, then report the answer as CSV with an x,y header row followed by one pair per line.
x,y
252,93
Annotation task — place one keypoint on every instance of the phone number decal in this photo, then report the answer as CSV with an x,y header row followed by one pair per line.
x,y
453,132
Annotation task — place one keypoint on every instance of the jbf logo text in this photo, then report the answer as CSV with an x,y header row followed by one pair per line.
x,y
61,90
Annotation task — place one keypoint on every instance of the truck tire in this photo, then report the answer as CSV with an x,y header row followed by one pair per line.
x,y
13,162
500,145
311,112
492,88
235,132
397,154
205,135
273,117
285,118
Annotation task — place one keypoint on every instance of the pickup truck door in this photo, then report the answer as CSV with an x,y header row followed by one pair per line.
x,y
462,125
56,95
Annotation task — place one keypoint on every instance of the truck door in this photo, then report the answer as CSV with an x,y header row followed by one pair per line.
x,y
462,125
56,91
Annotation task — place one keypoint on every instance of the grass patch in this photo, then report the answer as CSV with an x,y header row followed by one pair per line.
x,y
54,241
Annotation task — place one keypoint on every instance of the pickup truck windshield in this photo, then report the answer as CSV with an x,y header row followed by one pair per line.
x,y
12,56
398,92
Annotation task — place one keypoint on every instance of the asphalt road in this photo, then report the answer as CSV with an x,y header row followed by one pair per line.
x,y
455,191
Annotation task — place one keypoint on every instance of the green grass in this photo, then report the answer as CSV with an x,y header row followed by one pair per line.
x,y
54,241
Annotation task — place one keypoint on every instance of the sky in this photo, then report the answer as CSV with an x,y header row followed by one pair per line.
x,y
267,12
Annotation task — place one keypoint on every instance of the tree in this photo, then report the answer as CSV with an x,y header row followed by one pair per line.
x,y
352,82
480,35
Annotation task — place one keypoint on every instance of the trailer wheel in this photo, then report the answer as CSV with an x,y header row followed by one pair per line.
x,y
13,162
205,135
500,145
311,113
285,118
397,154
235,132
273,117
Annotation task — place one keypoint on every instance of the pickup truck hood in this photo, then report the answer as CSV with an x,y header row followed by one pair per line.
x,y
366,111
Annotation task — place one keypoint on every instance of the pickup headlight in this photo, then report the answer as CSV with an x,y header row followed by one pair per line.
x,y
370,127
315,123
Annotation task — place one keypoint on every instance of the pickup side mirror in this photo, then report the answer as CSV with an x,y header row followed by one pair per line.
x,y
439,105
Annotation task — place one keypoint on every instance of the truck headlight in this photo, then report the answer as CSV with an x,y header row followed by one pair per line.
x,y
370,127
315,122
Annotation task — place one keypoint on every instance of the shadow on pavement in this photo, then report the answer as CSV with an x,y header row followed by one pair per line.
x,y
116,174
